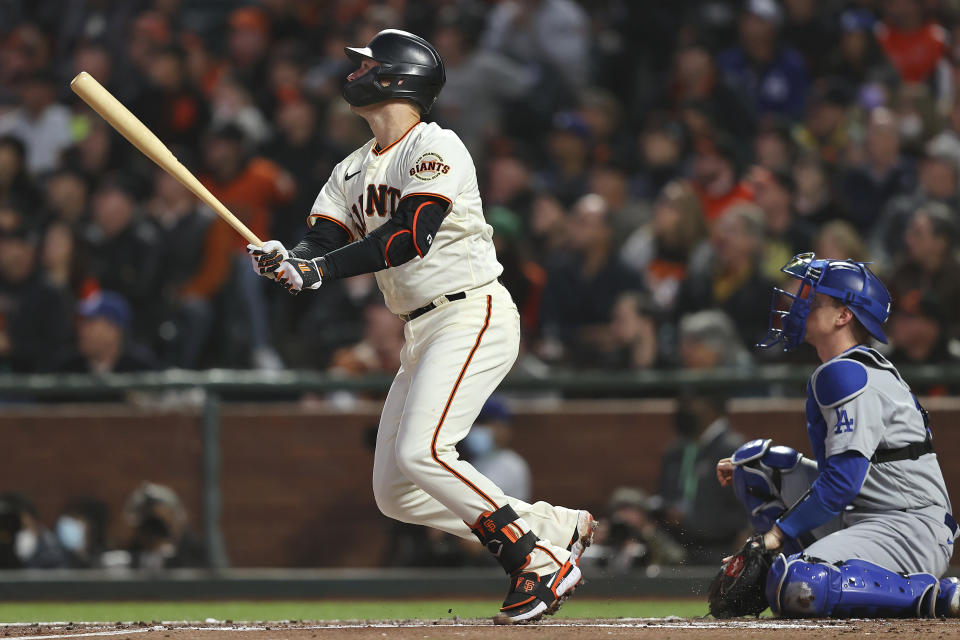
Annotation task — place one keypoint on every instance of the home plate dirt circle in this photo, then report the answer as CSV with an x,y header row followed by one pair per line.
x,y
562,629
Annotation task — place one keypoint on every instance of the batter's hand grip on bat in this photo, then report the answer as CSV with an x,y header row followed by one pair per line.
x,y
120,118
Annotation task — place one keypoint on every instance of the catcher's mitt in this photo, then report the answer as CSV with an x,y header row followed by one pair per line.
x,y
738,589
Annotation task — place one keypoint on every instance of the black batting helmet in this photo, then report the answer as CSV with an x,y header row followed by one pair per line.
x,y
409,65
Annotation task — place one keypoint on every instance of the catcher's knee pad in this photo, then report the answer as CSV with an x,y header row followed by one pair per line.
x,y
803,588
500,534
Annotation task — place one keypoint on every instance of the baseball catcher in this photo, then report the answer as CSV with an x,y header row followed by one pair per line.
x,y
865,528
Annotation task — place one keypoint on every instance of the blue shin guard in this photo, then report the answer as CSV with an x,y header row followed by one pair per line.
x,y
799,588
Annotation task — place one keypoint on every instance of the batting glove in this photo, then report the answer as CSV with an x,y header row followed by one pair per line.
x,y
297,274
267,258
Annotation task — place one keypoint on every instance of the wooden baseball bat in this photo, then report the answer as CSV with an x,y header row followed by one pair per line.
x,y
120,118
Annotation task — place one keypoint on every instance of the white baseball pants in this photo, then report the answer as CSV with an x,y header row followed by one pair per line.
x,y
453,359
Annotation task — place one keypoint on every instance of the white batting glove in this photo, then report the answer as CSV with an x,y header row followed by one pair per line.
x,y
297,274
266,259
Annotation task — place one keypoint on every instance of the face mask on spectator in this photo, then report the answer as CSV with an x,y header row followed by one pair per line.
x,y
71,533
25,544
479,442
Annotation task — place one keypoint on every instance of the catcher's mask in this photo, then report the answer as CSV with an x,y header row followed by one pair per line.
x,y
850,282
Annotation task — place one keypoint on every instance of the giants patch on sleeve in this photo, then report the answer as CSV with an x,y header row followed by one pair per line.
x,y
429,166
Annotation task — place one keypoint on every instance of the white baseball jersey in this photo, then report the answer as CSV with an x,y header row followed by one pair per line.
x,y
364,190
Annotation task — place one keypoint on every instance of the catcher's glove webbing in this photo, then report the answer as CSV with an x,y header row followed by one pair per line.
x,y
738,589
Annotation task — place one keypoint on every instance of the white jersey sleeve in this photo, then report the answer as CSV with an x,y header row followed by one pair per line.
x,y
331,203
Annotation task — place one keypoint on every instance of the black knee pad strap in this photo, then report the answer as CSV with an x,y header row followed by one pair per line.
x,y
503,541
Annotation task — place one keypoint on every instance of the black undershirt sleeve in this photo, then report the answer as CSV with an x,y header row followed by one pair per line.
x,y
324,236
407,234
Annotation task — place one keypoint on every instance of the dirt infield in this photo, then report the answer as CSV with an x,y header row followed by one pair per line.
x,y
642,628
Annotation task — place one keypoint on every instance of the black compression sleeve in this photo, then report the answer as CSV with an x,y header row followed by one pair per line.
x,y
407,234
324,236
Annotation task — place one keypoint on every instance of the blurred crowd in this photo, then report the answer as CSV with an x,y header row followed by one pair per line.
x,y
646,168
154,533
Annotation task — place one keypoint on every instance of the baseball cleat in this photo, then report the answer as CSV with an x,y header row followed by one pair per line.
x,y
531,596
582,536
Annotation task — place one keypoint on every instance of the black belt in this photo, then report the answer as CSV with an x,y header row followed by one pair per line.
x,y
416,313
910,452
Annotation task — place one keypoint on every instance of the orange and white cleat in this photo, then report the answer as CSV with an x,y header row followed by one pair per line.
x,y
531,596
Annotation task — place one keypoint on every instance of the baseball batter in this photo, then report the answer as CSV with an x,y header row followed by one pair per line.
x,y
872,530
406,205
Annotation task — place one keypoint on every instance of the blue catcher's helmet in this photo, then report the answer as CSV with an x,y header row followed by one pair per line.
x,y
852,283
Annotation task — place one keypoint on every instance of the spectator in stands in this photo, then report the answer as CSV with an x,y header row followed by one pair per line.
x,y
814,201
706,520
247,46
628,536
708,339
806,29
664,250
838,240
568,157
39,122
939,184
548,227
24,542
487,448
858,58
930,264
67,198
64,261
696,81
34,314
161,536
551,33
103,345
627,213
169,105
771,75
251,187
635,333
774,148
522,276
661,149
185,317
915,46
308,156
885,172
947,141
716,177
480,81
732,280
824,133
125,251
786,234
81,530
379,351
17,189
583,285
918,334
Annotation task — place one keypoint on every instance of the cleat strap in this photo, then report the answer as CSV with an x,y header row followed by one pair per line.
x,y
504,539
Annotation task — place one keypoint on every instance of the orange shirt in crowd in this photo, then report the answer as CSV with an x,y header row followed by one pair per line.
x,y
715,206
251,197
914,54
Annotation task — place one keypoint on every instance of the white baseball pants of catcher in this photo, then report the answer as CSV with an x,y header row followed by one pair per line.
x,y
453,359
